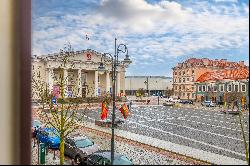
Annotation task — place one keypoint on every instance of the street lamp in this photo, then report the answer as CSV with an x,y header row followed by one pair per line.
x,y
114,63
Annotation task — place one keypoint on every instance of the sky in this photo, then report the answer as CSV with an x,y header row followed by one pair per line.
x,y
158,33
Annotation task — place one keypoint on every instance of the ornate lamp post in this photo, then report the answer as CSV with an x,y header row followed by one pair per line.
x,y
114,63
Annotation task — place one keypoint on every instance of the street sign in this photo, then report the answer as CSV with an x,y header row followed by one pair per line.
x,y
54,100
99,91
42,153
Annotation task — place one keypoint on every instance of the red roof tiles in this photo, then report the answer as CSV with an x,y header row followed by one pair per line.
x,y
233,74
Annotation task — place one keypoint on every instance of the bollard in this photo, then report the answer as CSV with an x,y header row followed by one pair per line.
x,y
34,142
54,157
47,149
38,151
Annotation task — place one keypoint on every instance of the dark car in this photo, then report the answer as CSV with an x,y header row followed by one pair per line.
x,y
186,102
36,124
104,158
79,147
49,136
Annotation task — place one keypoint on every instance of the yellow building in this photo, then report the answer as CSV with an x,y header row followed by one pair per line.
x,y
81,76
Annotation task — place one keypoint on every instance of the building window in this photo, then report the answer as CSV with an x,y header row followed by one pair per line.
x,y
229,88
175,73
203,88
183,79
192,87
243,88
236,88
193,79
175,87
179,87
193,95
221,88
179,73
187,71
215,88
179,79
200,88
187,79
183,72
208,88
183,87
192,71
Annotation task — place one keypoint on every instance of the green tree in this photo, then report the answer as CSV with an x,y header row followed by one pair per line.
x,y
39,88
63,116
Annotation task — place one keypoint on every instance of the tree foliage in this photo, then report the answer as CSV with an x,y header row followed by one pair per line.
x,y
63,116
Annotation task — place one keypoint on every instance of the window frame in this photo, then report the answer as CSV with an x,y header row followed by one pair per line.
x,y
242,86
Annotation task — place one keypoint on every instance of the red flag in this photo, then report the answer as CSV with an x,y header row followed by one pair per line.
x,y
104,113
124,110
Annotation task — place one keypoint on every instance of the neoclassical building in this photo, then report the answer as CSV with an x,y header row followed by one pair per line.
x,y
81,75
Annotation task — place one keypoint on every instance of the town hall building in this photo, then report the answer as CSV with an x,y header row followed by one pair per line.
x,y
81,75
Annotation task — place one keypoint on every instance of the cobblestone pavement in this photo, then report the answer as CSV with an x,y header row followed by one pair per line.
x,y
201,128
138,154
205,129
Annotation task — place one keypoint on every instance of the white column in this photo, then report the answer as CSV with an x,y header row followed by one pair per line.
x,y
107,82
65,79
79,84
50,79
118,83
96,83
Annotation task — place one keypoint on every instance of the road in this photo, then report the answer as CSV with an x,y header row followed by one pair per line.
x,y
197,128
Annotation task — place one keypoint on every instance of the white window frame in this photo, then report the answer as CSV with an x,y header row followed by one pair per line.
x,y
203,88
228,87
222,88
241,87
238,87
199,88
215,86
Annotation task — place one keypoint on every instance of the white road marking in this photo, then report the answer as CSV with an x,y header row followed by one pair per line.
x,y
191,128
190,139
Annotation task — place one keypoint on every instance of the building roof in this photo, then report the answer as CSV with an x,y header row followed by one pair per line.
x,y
231,74
163,77
222,63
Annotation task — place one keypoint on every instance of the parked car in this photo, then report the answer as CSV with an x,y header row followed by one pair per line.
x,y
172,100
36,124
79,148
208,103
104,158
186,102
49,136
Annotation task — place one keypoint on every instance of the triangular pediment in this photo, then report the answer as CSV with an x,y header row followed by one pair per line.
x,y
87,56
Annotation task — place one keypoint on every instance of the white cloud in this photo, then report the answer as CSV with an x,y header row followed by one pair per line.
x,y
234,1
165,29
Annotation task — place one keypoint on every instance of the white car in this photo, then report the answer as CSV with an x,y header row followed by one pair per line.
x,y
172,100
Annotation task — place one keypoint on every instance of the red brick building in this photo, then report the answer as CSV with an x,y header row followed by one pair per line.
x,y
186,73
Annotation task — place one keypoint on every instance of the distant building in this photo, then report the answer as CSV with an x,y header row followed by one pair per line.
x,y
152,84
185,74
216,85
82,78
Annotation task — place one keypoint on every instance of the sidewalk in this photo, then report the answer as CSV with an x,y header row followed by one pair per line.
x,y
181,149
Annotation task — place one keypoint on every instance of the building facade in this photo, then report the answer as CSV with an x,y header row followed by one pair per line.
x,y
81,76
151,84
185,74
217,85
